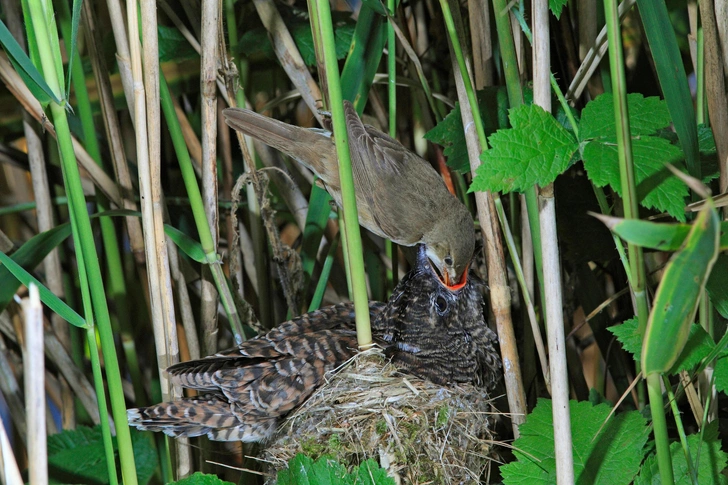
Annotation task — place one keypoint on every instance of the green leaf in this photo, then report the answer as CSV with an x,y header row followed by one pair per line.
x,y
661,190
660,236
199,478
717,285
370,473
646,116
173,46
493,104
302,470
535,151
556,6
25,68
602,455
191,248
710,463
673,80
77,456
697,347
46,295
29,255
678,295
75,19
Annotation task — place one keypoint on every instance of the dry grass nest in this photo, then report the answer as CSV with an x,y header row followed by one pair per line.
x,y
421,433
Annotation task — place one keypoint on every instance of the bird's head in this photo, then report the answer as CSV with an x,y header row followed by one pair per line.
x,y
438,331
450,248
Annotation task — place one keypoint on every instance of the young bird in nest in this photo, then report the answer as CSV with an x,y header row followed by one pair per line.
x,y
426,328
398,194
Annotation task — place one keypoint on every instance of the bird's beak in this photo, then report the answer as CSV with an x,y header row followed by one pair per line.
x,y
445,278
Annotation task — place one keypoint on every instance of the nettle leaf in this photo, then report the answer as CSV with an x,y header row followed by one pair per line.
x,y
173,46
613,452
77,456
493,104
711,462
657,187
199,478
698,346
708,154
535,151
556,6
646,116
302,470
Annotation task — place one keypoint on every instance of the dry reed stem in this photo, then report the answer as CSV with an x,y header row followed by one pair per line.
x,y
34,377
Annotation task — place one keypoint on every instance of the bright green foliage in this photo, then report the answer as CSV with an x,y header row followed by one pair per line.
x,y
611,455
657,188
535,151
77,456
698,346
199,478
678,295
302,470
493,104
646,116
711,462
556,6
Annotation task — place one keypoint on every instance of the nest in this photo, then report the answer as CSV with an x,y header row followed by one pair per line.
x,y
418,431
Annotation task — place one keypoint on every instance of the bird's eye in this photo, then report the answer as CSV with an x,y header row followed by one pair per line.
x,y
448,260
441,304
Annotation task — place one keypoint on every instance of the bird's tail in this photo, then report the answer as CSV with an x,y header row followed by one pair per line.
x,y
210,415
314,150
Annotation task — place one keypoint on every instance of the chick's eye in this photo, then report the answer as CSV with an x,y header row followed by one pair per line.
x,y
448,260
441,304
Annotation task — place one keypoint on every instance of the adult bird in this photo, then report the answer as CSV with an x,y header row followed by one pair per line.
x,y
399,195
426,328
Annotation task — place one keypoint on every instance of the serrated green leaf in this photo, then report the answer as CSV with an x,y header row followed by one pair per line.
x,y
646,116
493,104
678,294
535,151
370,473
627,335
602,455
77,456
556,6
710,463
661,190
717,285
199,478
302,470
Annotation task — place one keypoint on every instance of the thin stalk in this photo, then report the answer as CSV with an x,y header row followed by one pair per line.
x,y
85,247
680,430
487,210
198,210
318,295
626,164
35,396
353,234
391,248
659,426
700,99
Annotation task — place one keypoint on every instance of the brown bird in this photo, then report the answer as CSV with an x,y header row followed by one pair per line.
x,y
399,195
426,328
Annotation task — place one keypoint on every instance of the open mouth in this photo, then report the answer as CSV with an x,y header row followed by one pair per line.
x,y
450,284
